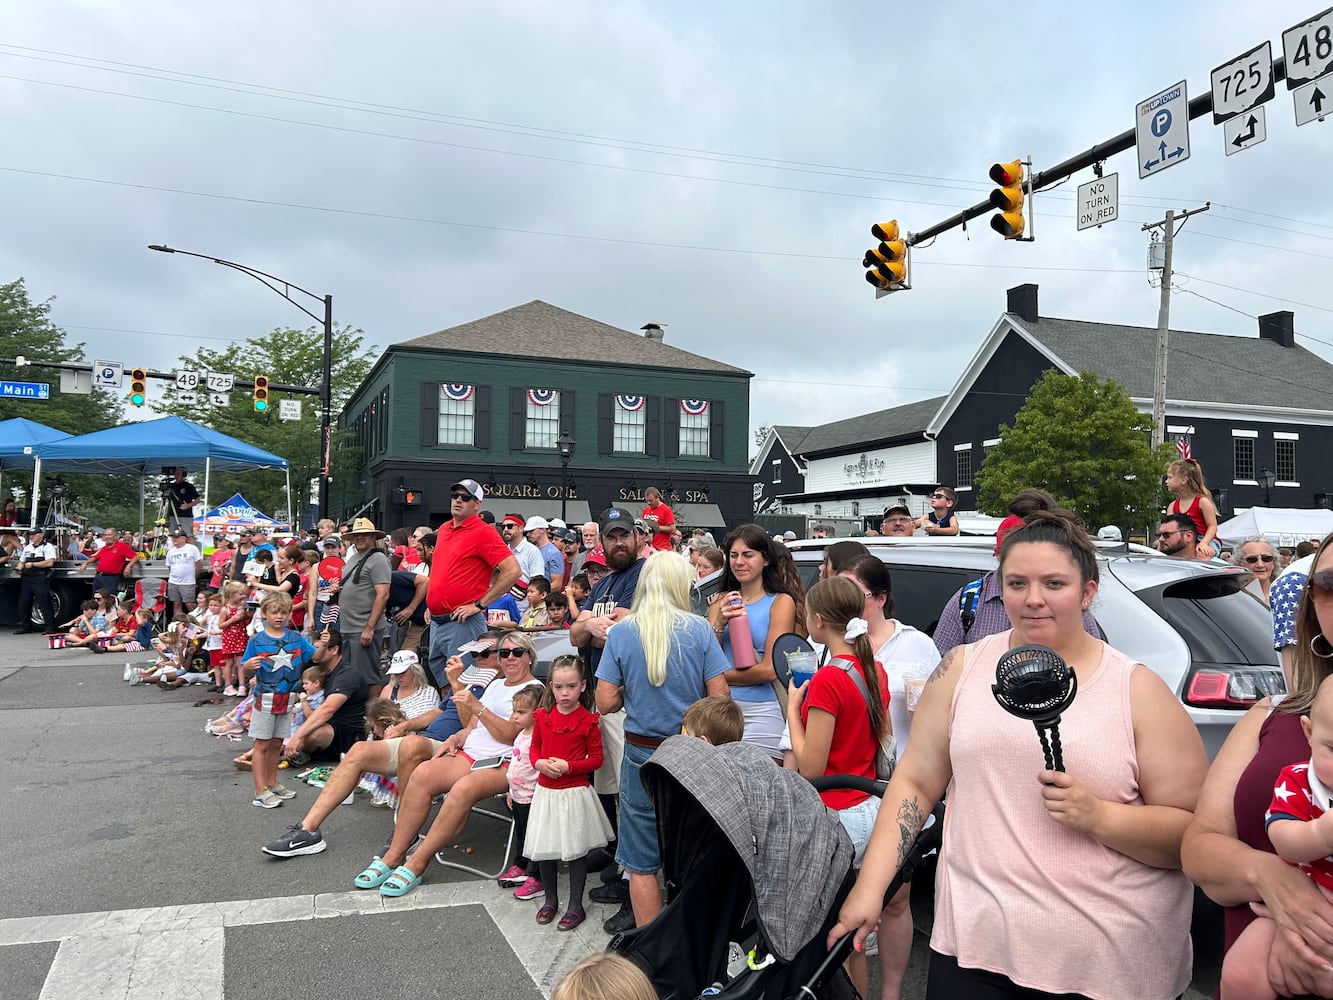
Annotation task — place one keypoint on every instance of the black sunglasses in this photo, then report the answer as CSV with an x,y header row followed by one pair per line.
x,y
461,496
1168,534
938,496
506,654
1322,580
1258,559
484,654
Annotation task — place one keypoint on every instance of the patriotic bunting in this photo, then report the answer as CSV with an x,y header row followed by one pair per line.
x,y
631,404
457,391
543,397
694,407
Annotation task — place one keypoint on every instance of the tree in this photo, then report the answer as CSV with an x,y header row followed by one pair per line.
x,y
288,357
26,330
1081,440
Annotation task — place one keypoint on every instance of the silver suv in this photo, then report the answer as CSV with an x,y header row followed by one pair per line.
x,y
1191,622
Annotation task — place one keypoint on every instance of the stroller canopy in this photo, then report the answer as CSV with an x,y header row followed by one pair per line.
x,y
794,849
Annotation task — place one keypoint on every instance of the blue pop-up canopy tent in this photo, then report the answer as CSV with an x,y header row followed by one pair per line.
x,y
20,439
144,448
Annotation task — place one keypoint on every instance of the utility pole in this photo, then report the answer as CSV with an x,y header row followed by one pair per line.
x,y
1169,228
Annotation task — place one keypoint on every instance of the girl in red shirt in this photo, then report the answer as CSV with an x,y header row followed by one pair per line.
x,y
566,821
1185,480
834,728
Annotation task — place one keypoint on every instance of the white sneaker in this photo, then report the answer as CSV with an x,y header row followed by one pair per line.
x,y
129,672
230,691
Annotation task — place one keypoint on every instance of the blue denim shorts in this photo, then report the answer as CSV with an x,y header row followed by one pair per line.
x,y
859,822
637,850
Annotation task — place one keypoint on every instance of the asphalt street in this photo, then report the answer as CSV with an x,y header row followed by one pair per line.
x,y
134,868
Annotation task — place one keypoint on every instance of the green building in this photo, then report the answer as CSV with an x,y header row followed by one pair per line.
x,y
554,414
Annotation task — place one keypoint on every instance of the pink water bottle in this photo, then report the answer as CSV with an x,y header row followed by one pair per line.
x,y
742,642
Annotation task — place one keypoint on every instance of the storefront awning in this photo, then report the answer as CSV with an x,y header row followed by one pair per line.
x,y
575,511
698,515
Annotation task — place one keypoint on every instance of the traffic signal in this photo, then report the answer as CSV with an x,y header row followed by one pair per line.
x,y
138,387
410,496
888,265
1008,198
261,393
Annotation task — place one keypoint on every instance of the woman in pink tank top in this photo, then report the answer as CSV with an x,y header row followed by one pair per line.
x,y
1051,883
1227,850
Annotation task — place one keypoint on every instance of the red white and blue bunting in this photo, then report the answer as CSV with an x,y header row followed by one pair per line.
x,y
631,404
543,397
694,407
457,391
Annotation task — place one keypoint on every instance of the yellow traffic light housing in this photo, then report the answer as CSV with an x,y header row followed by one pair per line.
x,y
261,393
138,387
889,265
1009,198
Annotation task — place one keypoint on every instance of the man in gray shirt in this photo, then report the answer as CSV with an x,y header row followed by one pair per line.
x,y
362,598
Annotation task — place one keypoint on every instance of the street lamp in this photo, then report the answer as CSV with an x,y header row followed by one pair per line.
x,y
565,442
285,288
1266,481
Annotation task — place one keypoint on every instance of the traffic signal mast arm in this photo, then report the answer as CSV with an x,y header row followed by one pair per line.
x,y
1199,106
240,383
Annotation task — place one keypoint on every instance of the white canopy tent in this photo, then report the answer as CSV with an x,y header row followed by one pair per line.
x,y
1280,525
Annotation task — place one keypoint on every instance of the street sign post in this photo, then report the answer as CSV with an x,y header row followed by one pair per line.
x,y
1162,130
1314,100
1243,84
1244,131
25,390
108,374
289,409
1098,201
1308,50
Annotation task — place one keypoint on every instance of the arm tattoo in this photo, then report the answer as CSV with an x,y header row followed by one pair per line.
x,y
910,822
945,664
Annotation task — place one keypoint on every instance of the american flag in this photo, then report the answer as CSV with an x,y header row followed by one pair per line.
x,y
1183,448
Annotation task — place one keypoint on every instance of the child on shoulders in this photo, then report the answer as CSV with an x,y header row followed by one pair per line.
x,y
940,519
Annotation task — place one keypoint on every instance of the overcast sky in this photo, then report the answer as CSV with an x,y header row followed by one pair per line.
x,y
712,167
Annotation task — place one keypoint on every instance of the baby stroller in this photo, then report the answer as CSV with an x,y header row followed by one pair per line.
x,y
756,869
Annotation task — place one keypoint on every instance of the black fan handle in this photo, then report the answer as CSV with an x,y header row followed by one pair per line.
x,y
1051,748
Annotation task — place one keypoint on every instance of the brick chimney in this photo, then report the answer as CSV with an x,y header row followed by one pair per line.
x,y
1279,327
1023,302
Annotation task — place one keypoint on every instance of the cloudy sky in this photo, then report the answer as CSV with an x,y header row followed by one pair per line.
x,y
712,167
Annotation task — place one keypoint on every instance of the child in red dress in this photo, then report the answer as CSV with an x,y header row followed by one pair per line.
x,y
566,821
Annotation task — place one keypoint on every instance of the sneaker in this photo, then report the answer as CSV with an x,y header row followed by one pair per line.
x,y
136,678
241,692
621,920
516,875
266,800
530,889
295,842
872,943
129,672
282,792
229,691
612,892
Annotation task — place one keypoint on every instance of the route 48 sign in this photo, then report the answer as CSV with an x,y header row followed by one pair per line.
x,y
1162,130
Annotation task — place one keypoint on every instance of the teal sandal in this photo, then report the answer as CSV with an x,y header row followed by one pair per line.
x,y
400,882
374,875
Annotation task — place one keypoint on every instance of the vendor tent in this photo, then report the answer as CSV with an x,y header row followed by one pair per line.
x,y
20,439
1280,525
145,448
230,517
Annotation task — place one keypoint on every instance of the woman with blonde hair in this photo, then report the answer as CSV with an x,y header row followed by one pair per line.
x,y
657,662
1226,849
605,977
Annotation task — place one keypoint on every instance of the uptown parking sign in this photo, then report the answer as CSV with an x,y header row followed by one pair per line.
x,y
1162,130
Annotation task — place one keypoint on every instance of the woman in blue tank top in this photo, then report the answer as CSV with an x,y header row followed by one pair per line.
x,y
753,587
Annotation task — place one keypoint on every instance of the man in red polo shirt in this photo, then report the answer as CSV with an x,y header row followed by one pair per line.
x,y
661,522
468,551
110,562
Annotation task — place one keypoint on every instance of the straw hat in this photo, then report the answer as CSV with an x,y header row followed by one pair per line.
x,y
363,526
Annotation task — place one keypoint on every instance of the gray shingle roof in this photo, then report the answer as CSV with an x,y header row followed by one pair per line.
x,y
857,432
558,333
1205,367
792,436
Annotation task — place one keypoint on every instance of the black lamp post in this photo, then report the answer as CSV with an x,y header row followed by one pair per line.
x,y
565,442
285,288
1266,481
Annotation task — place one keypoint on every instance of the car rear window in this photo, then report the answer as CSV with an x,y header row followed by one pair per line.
x,y
1219,621
921,593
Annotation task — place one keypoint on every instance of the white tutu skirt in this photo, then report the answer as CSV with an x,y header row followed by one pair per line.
x,y
565,824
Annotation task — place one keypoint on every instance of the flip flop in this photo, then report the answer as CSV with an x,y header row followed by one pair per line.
x,y
400,882
374,875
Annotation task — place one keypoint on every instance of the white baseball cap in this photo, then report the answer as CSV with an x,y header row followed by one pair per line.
x,y
403,661
534,523
557,523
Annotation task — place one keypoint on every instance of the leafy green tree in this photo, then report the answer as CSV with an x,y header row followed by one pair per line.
x,y
1080,439
26,331
288,357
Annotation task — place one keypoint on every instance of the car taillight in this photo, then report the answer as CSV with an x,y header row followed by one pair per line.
x,y
1214,686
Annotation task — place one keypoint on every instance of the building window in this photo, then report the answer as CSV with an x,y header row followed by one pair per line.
x,y
962,479
542,426
777,471
1284,460
1242,452
695,441
458,414
631,421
